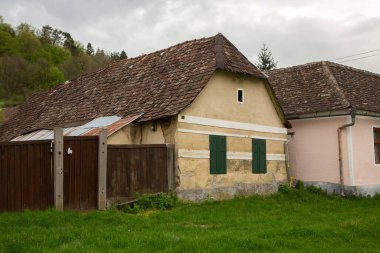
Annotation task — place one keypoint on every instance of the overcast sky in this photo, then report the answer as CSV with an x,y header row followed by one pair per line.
x,y
296,31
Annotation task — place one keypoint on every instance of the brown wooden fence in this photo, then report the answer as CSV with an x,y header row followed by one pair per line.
x,y
26,176
76,173
80,173
139,169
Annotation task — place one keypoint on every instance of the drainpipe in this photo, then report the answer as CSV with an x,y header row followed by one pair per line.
x,y
287,167
353,116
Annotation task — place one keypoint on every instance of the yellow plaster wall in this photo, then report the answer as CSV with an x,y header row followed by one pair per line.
x,y
142,133
122,136
218,100
152,137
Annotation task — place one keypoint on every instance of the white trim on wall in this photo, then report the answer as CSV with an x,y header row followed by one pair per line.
x,y
350,152
205,154
182,130
231,124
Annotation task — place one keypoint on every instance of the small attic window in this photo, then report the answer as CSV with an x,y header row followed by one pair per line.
x,y
240,96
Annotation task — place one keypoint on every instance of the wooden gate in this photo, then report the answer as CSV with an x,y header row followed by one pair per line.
x,y
139,169
80,177
26,175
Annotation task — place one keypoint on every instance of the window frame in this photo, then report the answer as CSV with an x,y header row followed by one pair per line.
x,y
237,95
376,141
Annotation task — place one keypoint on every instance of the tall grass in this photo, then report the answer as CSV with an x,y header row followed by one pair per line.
x,y
298,221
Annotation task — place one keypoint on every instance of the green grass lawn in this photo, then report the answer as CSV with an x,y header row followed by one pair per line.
x,y
294,222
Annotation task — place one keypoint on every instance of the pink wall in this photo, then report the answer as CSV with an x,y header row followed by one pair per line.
x,y
313,152
366,172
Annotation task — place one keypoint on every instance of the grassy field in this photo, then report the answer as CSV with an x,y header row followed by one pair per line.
x,y
294,222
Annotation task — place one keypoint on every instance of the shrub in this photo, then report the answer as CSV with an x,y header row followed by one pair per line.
x,y
160,201
300,185
284,188
316,190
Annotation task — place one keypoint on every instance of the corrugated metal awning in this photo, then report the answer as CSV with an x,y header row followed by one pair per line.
x,y
111,123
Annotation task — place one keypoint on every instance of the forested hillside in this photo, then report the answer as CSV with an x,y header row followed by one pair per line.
x,y
33,59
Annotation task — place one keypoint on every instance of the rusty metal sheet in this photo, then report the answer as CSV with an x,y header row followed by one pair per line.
x,y
92,128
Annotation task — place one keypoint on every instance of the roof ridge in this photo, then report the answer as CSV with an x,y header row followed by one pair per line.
x,y
221,40
334,83
354,69
291,68
167,48
219,51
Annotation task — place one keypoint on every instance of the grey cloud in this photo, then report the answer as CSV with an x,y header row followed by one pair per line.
x,y
296,31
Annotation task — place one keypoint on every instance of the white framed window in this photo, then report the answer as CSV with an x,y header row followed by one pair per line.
x,y
240,96
376,140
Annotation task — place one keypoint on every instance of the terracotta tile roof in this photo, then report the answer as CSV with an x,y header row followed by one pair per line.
x,y
325,86
9,112
158,84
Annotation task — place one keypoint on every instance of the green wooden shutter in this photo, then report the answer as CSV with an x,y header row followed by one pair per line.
x,y
218,154
213,154
259,156
222,155
263,156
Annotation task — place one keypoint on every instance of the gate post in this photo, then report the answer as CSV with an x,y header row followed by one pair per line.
x,y
58,168
170,165
102,170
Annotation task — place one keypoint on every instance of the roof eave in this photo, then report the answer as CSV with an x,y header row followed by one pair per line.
x,y
331,113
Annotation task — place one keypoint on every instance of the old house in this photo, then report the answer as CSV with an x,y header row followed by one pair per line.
x,y
203,95
323,100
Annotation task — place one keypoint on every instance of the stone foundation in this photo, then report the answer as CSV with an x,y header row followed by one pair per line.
x,y
359,190
227,192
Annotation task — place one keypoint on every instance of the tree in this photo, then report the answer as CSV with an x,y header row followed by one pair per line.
x,y
45,35
90,49
123,55
69,43
6,27
115,56
36,59
266,60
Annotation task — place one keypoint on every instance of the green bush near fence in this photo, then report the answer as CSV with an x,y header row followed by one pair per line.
x,y
160,201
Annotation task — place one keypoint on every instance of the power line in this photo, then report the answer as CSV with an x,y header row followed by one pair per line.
x,y
349,56
359,58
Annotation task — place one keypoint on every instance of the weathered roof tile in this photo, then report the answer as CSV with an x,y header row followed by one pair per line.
x,y
325,86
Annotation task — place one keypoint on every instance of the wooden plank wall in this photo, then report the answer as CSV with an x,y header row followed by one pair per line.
x,y
80,172
135,169
26,176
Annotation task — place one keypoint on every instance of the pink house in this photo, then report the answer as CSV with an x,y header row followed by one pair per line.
x,y
318,99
